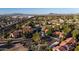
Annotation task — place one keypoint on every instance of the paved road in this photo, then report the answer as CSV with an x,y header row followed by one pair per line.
x,y
17,47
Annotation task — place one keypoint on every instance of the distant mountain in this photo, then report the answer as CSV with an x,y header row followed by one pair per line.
x,y
63,14
50,14
16,14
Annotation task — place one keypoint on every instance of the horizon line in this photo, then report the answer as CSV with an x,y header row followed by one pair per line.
x,y
37,13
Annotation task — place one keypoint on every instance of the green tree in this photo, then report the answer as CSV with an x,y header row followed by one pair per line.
x,y
31,23
18,26
49,32
66,29
77,48
36,37
74,33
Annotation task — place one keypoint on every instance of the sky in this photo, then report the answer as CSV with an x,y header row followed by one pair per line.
x,y
39,10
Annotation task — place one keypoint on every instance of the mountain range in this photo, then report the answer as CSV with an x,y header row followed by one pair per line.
x,y
21,14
